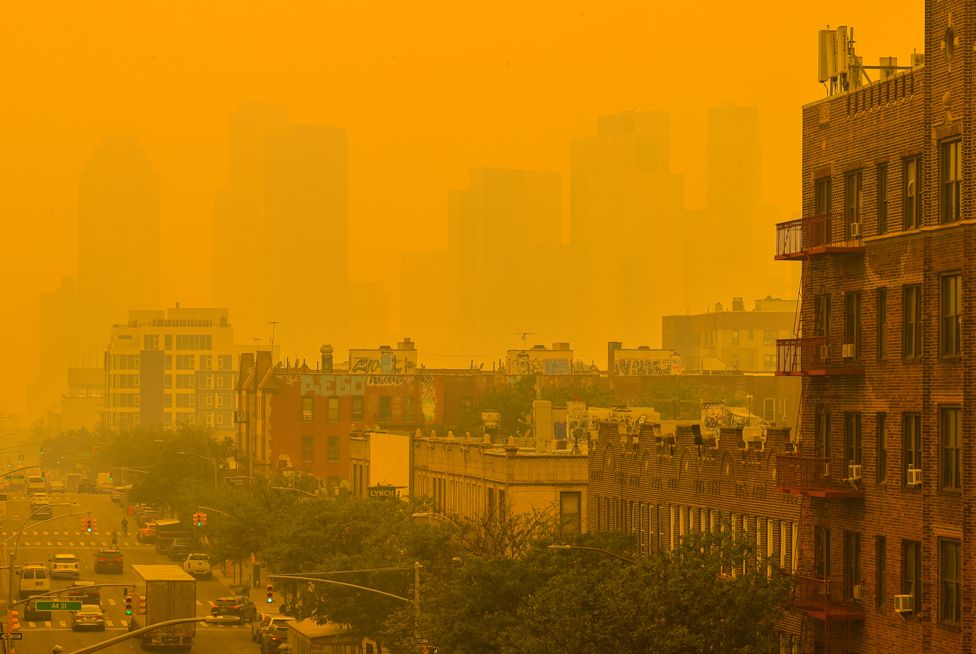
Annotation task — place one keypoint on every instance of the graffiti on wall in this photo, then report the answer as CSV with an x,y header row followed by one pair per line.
x,y
386,380
382,362
333,385
428,399
524,363
647,364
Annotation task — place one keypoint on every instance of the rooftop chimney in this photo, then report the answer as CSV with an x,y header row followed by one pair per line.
x,y
326,351
738,304
405,344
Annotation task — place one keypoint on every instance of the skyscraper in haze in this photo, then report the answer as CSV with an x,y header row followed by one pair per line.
x,y
733,163
118,235
505,244
626,231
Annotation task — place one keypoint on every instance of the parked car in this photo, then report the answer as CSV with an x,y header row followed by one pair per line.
x,y
179,549
89,617
109,560
237,606
267,620
55,486
65,566
198,565
86,486
34,580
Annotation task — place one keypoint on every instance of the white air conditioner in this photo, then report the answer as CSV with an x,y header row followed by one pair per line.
x,y
904,603
856,592
826,468
914,476
855,230
854,472
848,350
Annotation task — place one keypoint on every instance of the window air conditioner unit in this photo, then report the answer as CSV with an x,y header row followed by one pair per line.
x,y
826,468
855,230
914,476
904,603
854,472
856,592
848,350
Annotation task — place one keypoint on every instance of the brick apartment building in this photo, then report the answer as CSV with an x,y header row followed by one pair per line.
x,y
882,482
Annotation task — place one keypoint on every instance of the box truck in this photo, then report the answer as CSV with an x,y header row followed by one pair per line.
x,y
169,593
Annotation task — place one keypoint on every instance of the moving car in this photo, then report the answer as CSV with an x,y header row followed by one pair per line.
x,y
34,580
86,486
198,565
271,632
82,591
89,617
41,508
109,560
32,614
147,533
65,566
55,486
179,549
36,484
238,606
267,619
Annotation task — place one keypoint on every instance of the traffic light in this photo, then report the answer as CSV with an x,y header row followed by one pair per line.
x,y
270,590
88,525
94,524
203,519
13,621
197,522
128,604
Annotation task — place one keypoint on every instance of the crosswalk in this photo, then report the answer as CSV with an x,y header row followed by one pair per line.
x,y
40,538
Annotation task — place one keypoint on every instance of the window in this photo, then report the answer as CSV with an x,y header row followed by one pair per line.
x,y
822,429
206,362
911,572
225,362
408,411
333,407
852,322
911,444
150,342
852,563
852,438
357,408
184,361
185,381
769,409
735,337
880,571
193,342
950,303
570,521
821,552
881,299
769,337
168,341
882,198
950,581
821,315
950,180
912,182
911,339
333,452
308,404
308,449
950,448
385,407
853,200
821,208
881,446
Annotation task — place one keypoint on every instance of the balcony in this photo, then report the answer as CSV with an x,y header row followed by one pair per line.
x,y
812,356
806,237
812,597
810,476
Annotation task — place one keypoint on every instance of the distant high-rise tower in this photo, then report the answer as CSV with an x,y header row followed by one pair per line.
x,y
505,242
118,236
626,230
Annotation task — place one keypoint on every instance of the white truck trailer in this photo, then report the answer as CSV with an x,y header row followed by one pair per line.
x,y
169,593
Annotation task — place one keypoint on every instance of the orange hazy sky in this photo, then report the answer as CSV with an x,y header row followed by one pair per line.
x,y
426,90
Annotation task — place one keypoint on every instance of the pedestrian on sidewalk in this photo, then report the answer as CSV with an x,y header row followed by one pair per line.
x,y
125,527
115,537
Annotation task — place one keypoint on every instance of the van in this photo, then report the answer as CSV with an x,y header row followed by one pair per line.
x,y
104,483
36,484
34,580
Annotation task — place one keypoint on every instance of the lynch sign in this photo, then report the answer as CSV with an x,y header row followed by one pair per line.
x,y
382,491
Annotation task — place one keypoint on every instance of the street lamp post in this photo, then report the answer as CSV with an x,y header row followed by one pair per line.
x,y
625,559
214,462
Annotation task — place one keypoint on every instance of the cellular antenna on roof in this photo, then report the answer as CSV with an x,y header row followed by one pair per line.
x,y
525,336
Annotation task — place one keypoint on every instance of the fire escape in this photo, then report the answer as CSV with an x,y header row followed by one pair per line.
x,y
810,477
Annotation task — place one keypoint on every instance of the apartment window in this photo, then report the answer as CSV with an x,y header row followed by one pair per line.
x,y
911,572
882,198
769,362
184,361
308,404
821,552
950,448
821,427
225,362
950,325
852,324
881,299
735,337
911,444
912,204
852,563
881,446
206,362
852,438
570,515
821,196
911,333
385,408
853,200
950,179
408,410
880,571
308,449
333,408
821,315
333,451
150,342
357,408
769,409
769,337
168,341
950,581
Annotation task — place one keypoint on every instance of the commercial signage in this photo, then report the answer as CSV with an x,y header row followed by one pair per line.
x,y
382,491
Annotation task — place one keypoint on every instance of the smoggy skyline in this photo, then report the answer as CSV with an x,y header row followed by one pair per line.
x,y
425,96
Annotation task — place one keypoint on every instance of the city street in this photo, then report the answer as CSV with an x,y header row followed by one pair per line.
x,y
38,544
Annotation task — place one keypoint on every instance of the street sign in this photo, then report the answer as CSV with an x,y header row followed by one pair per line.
x,y
58,606
17,635
14,477
422,640
382,491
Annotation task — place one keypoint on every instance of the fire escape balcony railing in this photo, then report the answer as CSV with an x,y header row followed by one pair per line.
x,y
803,237
811,476
813,597
813,356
